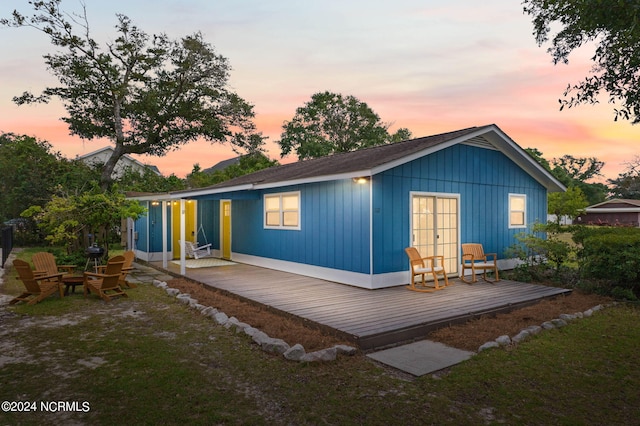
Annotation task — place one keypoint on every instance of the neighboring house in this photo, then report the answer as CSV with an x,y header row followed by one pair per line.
x,y
100,157
613,212
223,164
348,217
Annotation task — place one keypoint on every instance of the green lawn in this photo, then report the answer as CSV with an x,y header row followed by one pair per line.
x,y
151,360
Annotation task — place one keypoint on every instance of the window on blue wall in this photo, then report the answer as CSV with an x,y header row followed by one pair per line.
x,y
282,211
517,211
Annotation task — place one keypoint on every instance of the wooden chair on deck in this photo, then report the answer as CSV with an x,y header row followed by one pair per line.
x,y
474,257
106,285
37,287
432,265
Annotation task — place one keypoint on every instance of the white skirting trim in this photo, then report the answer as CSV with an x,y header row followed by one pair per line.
x,y
355,279
336,275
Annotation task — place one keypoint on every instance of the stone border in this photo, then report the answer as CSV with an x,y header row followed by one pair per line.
x,y
266,343
562,321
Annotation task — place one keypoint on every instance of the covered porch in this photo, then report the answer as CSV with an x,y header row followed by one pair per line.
x,y
369,318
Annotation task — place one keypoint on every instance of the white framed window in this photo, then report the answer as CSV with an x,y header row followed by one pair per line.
x,y
517,211
282,211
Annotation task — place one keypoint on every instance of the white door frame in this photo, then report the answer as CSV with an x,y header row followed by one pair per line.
x,y
437,195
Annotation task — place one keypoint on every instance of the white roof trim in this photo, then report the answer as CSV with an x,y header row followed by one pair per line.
x,y
325,178
614,210
631,203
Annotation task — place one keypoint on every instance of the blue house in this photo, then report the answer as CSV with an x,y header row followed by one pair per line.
x,y
348,217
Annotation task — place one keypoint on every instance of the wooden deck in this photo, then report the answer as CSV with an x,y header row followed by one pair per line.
x,y
369,318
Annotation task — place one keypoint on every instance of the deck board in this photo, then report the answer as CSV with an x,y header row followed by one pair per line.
x,y
370,318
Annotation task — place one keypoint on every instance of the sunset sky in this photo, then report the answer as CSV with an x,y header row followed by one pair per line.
x,y
432,66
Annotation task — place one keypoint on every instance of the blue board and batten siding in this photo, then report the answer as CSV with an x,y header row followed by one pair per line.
x,y
334,228
356,233
483,178
149,230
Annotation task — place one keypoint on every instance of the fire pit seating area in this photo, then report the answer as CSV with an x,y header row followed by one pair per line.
x,y
100,281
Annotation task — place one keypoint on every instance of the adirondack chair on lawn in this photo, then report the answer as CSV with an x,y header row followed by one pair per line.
x,y
45,264
37,288
100,284
126,268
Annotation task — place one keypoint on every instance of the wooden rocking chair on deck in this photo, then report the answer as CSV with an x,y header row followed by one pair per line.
x,y
474,257
433,265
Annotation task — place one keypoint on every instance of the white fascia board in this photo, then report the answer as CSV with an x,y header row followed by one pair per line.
x,y
519,156
325,178
96,152
152,197
209,191
614,210
631,204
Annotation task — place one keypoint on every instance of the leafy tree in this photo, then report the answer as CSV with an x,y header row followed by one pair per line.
x,y
147,94
627,184
31,172
331,123
148,181
575,171
68,219
578,168
26,167
612,27
247,164
569,203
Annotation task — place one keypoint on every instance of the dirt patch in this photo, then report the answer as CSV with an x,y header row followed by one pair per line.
x,y
468,336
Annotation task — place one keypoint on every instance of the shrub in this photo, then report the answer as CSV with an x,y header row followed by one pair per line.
x,y
611,256
543,254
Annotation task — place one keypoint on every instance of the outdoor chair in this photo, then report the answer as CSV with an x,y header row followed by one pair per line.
x,y
37,288
106,285
45,264
126,268
474,258
195,252
430,265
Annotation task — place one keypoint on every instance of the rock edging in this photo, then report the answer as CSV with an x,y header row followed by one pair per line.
x,y
266,343
562,321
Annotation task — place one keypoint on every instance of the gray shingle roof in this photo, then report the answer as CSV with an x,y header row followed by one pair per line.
x,y
376,159
364,159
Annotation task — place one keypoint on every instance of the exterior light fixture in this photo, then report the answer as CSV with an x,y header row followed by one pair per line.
x,y
155,203
361,180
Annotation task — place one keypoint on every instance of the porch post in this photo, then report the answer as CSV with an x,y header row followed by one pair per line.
x,y
183,270
164,235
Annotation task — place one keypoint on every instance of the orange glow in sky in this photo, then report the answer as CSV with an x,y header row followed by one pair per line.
x,y
432,67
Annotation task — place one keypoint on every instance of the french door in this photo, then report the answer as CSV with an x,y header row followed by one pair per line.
x,y
435,227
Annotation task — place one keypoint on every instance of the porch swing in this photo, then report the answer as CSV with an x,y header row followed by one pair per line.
x,y
193,250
